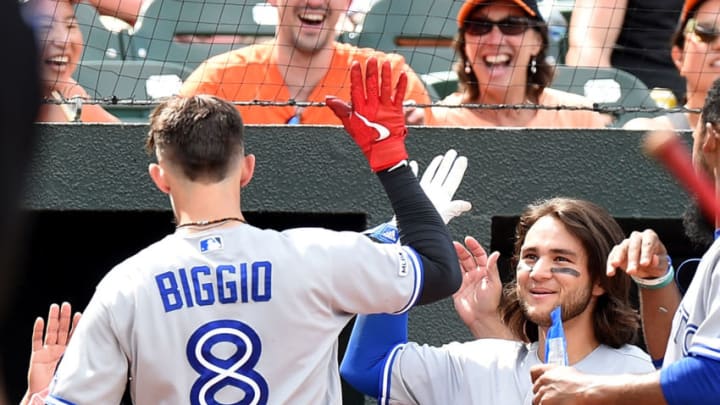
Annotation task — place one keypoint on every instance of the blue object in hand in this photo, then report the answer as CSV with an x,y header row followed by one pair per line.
x,y
555,343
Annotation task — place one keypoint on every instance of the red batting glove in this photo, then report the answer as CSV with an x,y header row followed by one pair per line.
x,y
375,122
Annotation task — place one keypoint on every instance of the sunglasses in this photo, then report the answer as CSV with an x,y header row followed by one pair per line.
x,y
508,26
700,32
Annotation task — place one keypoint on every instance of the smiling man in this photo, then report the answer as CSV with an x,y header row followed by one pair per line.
x,y
303,63
561,251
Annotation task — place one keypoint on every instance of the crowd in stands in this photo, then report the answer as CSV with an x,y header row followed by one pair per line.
x,y
504,71
568,252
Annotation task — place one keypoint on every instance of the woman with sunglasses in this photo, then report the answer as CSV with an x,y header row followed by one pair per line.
x,y
502,46
696,53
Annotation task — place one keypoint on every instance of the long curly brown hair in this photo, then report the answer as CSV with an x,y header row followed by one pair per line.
x,y
615,321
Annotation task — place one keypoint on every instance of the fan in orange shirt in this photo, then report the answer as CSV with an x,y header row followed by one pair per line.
x,y
303,63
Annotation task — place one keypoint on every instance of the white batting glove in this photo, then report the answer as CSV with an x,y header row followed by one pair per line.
x,y
439,182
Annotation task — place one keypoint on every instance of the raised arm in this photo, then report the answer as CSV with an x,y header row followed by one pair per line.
x,y
376,123
126,10
47,349
595,26
478,298
644,257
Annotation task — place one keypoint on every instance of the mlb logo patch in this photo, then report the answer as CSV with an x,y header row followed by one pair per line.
x,y
210,244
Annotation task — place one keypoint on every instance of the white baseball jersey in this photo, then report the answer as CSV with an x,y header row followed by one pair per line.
x,y
696,325
237,315
485,371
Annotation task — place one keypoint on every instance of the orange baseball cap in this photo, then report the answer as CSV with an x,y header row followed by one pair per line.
x,y
529,6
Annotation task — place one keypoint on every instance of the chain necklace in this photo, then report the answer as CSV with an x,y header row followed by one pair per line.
x,y
208,223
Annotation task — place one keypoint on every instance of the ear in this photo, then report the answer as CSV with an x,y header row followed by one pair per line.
x,y
677,57
248,168
709,143
157,174
597,290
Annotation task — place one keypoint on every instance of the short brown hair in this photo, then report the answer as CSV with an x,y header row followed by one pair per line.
x,y
201,134
615,321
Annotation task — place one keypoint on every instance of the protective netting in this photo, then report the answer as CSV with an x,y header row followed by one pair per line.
x,y
129,63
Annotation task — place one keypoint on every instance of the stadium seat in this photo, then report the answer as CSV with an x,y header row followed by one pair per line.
x,y
617,90
440,84
129,87
101,43
620,92
188,32
420,30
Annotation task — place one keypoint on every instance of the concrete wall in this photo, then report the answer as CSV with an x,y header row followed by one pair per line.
x,y
319,170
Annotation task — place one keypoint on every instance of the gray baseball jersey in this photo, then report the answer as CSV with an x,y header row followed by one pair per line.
x,y
696,325
236,315
485,371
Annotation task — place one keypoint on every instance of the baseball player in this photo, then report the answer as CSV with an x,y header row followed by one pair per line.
x,y
221,312
691,365
561,248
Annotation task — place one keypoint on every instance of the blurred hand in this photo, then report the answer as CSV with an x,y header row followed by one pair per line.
x,y
413,115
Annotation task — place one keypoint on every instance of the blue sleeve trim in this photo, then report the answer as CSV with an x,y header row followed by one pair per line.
x,y
386,382
371,344
691,380
703,350
53,400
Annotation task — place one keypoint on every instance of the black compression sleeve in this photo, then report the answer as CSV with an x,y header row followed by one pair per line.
x,y
422,228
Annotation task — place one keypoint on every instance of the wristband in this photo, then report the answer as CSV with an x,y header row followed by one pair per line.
x,y
657,282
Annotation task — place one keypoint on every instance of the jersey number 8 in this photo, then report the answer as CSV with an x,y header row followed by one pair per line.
x,y
242,348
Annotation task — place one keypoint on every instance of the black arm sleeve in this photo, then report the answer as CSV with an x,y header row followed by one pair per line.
x,y
422,228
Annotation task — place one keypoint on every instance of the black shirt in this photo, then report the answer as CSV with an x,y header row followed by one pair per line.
x,y
643,47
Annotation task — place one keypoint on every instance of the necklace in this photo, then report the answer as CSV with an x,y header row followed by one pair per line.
x,y
211,222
